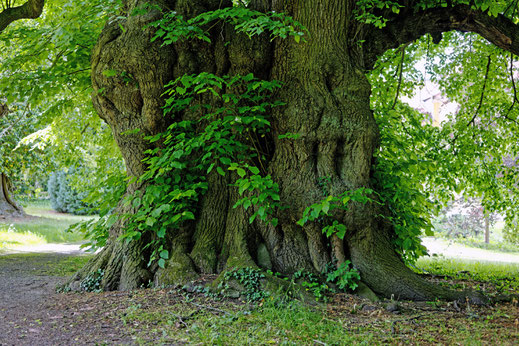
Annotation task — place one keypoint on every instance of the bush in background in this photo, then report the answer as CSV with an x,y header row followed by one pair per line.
x,y
64,198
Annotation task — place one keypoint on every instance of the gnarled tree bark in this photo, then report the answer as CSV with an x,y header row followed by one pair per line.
x,y
327,95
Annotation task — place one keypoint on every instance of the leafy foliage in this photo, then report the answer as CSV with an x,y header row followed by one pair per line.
x,y
511,231
322,211
229,122
221,138
421,166
173,27
17,161
49,58
92,283
379,12
344,276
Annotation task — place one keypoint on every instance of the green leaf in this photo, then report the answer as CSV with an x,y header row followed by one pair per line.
x,y
150,221
162,263
136,202
241,172
162,232
110,73
254,169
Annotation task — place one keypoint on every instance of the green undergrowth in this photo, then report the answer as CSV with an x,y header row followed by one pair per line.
x,y
193,316
155,317
197,322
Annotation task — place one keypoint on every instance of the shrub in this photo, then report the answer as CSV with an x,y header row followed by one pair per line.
x,y
63,197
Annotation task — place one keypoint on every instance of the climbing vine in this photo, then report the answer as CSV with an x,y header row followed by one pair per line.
x,y
223,136
226,123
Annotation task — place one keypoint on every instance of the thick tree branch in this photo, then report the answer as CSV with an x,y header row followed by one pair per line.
x,y
30,10
409,26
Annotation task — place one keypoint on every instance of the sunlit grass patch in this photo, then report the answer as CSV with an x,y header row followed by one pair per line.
x,y
505,276
51,230
47,224
171,317
289,323
449,266
49,264
10,237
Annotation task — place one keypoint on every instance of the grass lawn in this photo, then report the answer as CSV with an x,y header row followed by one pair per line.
x,y
43,226
497,277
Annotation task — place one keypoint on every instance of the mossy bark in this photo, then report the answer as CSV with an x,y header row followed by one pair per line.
x,y
328,105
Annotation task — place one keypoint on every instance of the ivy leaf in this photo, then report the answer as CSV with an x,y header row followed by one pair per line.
x,y
162,263
241,172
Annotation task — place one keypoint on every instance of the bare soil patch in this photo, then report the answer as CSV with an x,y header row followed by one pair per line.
x,y
32,313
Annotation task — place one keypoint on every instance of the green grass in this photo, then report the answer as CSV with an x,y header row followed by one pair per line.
x,y
42,208
48,227
504,276
443,266
47,264
287,324
195,319
12,237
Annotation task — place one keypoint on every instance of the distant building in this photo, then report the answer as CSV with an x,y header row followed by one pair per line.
x,y
429,100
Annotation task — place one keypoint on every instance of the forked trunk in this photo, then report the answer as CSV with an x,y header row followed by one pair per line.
x,y
327,96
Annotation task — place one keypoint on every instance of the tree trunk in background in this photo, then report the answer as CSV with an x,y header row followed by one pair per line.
x,y
328,104
487,229
8,206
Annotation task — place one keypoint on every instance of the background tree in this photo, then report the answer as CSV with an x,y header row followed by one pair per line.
x,y
46,67
16,122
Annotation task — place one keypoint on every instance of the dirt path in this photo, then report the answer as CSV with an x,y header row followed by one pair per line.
x,y
32,313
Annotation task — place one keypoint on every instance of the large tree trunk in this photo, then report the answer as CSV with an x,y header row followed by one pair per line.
x,y
327,95
8,207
